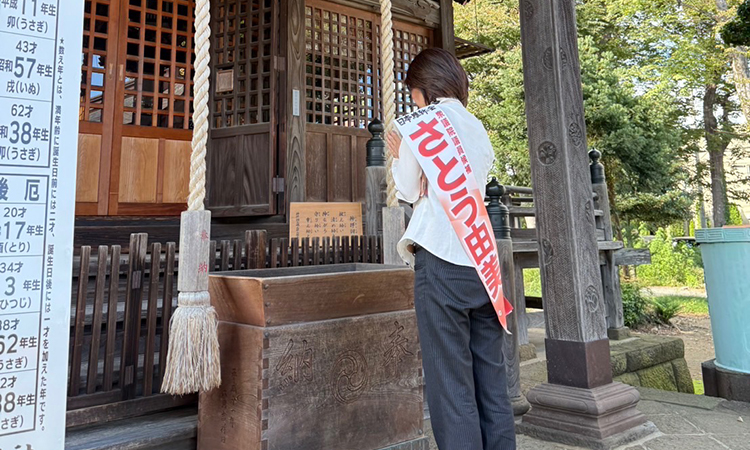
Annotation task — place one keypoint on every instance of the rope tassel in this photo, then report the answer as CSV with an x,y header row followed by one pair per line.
x,y
193,356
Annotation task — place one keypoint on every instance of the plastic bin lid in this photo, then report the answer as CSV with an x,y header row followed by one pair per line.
x,y
725,234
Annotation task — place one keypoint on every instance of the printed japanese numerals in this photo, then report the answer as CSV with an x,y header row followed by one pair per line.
x,y
32,70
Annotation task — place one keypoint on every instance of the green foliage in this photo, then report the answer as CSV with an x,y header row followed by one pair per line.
x,y
671,265
691,306
734,216
698,387
634,305
532,282
664,309
737,31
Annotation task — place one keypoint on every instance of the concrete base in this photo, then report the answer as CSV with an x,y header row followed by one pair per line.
x,y
618,334
601,418
527,352
726,384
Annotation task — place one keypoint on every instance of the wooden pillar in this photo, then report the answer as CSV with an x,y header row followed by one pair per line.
x,y
580,393
375,182
446,37
500,220
293,89
616,328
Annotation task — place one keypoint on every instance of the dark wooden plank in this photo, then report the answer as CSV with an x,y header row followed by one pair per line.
x,y
75,360
274,249
133,304
284,250
224,250
632,257
446,34
153,298
337,250
305,251
256,242
346,245
366,249
236,255
293,42
166,311
126,410
295,252
326,250
96,320
356,256
316,250
112,297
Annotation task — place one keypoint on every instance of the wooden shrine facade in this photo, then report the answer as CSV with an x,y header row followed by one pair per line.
x,y
294,85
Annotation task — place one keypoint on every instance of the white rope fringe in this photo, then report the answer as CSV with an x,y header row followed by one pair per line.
x,y
193,347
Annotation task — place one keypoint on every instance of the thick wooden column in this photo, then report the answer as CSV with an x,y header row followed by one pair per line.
x,y
293,85
580,394
375,180
446,36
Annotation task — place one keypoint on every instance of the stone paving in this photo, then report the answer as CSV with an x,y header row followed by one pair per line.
x,y
685,421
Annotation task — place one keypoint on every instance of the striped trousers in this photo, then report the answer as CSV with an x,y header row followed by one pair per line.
x,y
462,354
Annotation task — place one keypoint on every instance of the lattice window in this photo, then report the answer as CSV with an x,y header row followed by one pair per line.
x,y
94,59
242,50
343,70
341,67
406,45
159,63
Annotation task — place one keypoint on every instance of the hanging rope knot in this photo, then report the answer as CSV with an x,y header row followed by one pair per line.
x,y
194,300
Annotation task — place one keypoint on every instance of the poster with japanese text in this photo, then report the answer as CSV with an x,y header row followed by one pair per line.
x,y
40,75
325,220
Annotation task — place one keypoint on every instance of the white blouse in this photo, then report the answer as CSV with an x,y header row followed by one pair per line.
x,y
430,227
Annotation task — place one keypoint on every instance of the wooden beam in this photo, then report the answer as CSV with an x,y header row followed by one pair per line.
x,y
446,37
293,119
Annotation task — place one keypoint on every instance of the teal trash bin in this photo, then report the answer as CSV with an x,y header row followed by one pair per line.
x,y
726,261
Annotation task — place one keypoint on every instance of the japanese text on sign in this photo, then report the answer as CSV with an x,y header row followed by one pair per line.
x,y
39,81
311,220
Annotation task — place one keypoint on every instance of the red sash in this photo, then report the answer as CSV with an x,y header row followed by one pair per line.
x,y
437,147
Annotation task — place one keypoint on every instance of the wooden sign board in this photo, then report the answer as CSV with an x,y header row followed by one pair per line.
x,y
321,220
40,99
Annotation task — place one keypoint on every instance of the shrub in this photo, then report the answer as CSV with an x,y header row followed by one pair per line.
x,y
671,265
634,305
664,309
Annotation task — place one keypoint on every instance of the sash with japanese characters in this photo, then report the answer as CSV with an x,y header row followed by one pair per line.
x,y
437,147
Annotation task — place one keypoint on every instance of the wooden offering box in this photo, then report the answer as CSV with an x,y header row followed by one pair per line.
x,y
322,357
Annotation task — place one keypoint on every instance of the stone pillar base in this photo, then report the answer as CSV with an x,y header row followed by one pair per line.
x,y
724,383
618,334
520,406
601,418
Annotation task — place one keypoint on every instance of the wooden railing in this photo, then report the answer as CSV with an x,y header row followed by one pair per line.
x,y
125,297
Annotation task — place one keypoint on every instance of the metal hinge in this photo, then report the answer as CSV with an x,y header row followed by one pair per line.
x,y
277,185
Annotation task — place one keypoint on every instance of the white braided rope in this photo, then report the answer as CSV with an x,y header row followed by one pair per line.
x,y
388,89
200,102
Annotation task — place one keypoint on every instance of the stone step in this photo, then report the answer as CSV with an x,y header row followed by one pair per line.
x,y
171,430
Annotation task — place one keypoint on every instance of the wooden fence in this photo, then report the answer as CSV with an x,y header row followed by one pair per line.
x,y
124,300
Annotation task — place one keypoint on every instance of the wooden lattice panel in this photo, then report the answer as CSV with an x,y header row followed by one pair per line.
x,y
243,40
341,66
96,31
158,63
407,43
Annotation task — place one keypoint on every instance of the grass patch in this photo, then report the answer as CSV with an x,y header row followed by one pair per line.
x,y
532,282
689,306
698,387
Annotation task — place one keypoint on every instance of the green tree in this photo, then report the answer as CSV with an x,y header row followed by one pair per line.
x,y
638,134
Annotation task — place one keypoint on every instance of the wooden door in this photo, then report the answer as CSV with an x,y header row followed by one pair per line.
x,y
97,105
243,151
154,101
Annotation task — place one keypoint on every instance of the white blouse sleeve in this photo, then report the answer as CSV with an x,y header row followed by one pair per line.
x,y
406,175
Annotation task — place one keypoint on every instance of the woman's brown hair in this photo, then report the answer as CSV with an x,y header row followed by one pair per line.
x,y
437,73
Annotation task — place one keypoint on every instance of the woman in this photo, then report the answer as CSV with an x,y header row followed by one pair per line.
x,y
460,335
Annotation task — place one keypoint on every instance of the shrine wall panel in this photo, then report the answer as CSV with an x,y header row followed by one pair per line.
x,y
139,163
87,176
177,178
